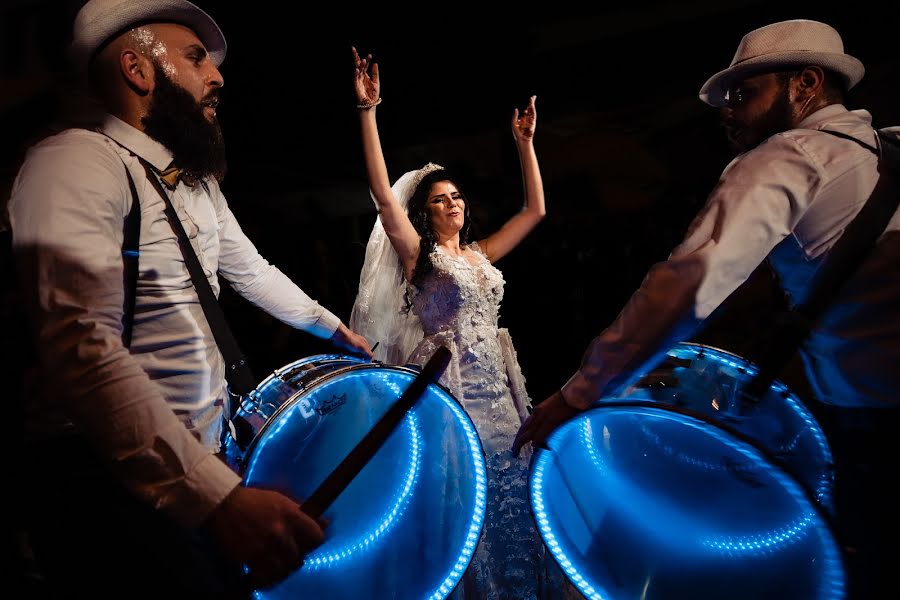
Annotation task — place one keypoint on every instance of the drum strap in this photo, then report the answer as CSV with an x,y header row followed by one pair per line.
x,y
850,251
237,371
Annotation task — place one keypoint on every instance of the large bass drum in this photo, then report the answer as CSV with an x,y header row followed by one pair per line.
x,y
409,522
676,489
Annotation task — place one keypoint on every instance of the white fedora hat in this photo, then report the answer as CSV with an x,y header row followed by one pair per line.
x,y
798,43
99,21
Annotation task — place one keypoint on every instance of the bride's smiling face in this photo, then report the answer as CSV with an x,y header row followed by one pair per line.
x,y
447,207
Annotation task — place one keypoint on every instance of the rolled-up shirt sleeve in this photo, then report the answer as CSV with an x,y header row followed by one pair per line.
x,y
67,211
263,284
759,199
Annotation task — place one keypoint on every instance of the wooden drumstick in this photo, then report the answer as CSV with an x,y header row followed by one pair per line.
x,y
319,501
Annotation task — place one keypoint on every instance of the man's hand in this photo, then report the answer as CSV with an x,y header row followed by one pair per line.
x,y
344,338
547,416
265,531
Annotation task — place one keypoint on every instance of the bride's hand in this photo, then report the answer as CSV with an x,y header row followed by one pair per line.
x,y
523,126
367,84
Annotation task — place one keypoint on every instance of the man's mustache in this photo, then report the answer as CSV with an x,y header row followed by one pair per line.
x,y
211,100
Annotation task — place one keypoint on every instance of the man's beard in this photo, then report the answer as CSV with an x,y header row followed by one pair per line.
x,y
778,118
177,121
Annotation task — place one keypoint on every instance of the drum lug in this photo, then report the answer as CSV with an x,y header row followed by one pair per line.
x,y
250,403
241,432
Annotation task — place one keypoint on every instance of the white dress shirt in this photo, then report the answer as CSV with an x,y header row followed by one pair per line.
x,y
789,199
156,411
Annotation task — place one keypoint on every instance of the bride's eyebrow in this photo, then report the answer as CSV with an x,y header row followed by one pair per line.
x,y
456,193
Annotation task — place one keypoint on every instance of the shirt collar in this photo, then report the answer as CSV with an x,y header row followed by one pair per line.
x,y
137,142
823,114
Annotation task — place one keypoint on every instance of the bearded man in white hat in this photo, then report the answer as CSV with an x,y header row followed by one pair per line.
x,y
786,198
126,495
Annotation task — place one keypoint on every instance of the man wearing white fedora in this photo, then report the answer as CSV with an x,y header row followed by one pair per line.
x,y
786,198
127,495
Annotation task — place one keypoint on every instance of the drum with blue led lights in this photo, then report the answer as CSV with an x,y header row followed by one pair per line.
x,y
653,495
409,522
709,381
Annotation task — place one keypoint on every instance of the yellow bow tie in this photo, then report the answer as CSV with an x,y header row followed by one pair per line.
x,y
173,175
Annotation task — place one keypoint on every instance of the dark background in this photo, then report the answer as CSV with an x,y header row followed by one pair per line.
x,y
627,150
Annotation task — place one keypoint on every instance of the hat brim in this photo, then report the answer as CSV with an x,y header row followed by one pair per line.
x,y
849,67
98,30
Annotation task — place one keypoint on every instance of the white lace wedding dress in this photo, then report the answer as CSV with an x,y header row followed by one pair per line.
x,y
458,305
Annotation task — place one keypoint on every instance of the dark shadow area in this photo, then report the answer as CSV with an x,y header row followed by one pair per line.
x,y
628,151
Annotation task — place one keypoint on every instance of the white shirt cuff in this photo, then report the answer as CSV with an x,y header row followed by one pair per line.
x,y
209,482
325,326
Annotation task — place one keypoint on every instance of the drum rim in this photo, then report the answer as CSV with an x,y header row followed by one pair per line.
x,y
710,347
827,520
251,447
302,361
698,347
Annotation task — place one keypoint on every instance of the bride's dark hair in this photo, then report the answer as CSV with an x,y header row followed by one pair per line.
x,y
420,217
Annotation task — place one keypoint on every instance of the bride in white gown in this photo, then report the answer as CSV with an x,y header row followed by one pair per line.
x,y
423,285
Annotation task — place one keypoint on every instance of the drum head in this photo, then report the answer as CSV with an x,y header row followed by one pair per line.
x,y
641,500
709,381
408,524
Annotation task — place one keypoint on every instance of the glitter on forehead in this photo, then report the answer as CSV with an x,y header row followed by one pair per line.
x,y
153,48
143,37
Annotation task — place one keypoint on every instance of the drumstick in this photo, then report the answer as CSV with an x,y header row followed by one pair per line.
x,y
319,501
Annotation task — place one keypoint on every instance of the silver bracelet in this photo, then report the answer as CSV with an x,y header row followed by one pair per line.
x,y
369,105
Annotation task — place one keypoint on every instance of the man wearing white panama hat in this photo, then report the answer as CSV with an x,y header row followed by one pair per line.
x,y
786,198
126,495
